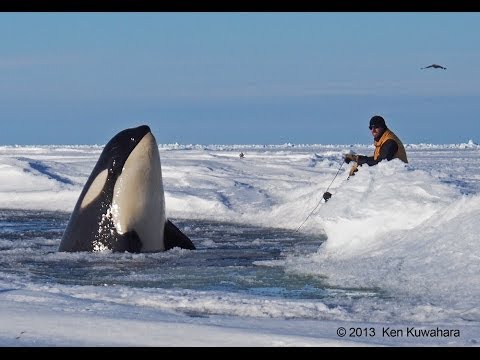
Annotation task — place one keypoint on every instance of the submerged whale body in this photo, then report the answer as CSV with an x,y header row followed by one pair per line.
x,y
122,205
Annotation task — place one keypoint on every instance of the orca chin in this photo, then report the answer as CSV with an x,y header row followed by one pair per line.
x,y
122,205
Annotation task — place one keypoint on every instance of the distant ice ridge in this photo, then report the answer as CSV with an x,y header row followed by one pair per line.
x,y
469,144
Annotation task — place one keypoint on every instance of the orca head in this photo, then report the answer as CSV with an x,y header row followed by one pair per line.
x,y
117,150
138,201
122,205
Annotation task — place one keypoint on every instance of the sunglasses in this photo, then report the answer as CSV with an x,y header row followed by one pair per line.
x,y
371,127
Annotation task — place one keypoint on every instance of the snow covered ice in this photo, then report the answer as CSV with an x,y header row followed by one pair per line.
x,y
401,251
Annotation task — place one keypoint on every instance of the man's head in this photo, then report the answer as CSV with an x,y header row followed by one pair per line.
x,y
377,126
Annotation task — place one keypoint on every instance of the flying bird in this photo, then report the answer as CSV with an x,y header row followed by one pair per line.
x,y
434,66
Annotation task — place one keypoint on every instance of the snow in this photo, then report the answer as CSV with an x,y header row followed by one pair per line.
x,y
407,229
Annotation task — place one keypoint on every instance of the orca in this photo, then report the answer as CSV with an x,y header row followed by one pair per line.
x,y
122,205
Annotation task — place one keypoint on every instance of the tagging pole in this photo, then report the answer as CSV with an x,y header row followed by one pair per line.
x,y
326,192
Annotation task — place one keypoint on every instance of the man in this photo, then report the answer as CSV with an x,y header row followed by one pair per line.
x,y
387,146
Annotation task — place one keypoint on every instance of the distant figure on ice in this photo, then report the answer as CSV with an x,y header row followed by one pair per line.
x,y
387,146
241,155
434,66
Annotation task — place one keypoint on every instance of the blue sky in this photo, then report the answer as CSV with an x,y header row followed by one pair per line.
x,y
238,78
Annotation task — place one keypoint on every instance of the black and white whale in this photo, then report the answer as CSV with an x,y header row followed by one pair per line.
x,y
122,205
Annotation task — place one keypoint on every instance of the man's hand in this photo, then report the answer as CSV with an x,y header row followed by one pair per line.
x,y
350,157
353,170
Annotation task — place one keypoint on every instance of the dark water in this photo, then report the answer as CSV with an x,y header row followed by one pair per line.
x,y
225,259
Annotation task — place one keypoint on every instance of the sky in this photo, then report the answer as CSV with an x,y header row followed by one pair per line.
x,y
238,77
405,231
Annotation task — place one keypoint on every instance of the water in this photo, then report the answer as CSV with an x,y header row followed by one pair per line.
x,y
225,259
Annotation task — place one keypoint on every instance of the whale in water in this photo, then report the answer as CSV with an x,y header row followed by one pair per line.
x,y
122,205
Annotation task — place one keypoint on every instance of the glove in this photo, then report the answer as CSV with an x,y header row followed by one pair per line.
x,y
353,170
326,196
350,157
